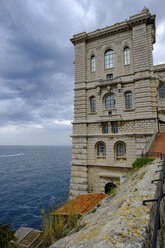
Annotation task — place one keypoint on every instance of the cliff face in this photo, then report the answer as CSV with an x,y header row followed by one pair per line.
x,y
121,220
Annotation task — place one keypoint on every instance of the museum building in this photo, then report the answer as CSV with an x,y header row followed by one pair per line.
x,y
117,95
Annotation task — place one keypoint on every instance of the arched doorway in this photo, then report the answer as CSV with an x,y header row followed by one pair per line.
x,y
109,187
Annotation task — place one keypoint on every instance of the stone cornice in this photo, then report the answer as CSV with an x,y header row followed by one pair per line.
x,y
115,81
109,119
135,20
159,68
117,135
100,164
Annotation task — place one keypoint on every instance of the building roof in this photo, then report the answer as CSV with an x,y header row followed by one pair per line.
x,y
28,237
81,204
143,17
22,232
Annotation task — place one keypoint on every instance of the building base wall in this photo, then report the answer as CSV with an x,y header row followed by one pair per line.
x,y
91,175
78,181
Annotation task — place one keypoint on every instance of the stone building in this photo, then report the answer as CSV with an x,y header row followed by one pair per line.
x,y
115,102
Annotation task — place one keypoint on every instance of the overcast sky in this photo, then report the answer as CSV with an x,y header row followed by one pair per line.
x,y
36,62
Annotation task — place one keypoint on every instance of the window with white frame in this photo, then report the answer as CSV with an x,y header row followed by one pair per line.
x,y
101,149
109,59
162,91
110,102
126,56
128,100
93,63
92,104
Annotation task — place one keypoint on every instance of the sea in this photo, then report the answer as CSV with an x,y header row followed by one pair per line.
x,y
32,178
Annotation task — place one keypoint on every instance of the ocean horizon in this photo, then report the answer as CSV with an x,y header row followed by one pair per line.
x,y
32,177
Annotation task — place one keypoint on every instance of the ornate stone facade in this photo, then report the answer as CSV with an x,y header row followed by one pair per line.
x,y
115,102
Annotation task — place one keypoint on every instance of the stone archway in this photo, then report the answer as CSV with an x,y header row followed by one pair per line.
x,y
109,187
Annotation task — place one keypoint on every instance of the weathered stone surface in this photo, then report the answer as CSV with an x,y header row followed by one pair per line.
x,y
121,221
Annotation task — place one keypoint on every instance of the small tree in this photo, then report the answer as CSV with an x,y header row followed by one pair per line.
x,y
6,235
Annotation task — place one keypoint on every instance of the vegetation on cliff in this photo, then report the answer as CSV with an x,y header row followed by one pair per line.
x,y
6,235
140,162
56,226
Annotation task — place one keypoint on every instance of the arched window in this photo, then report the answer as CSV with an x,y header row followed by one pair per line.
x,y
128,100
120,152
101,150
121,149
93,63
126,56
109,59
110,102
162,91
92,104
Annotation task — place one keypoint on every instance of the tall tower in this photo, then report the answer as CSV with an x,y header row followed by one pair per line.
x,y
115,102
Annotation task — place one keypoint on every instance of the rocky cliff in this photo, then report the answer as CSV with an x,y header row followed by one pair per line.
x,y
122,220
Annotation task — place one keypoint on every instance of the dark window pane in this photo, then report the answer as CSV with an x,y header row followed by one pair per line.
x,y
93,64
93,104
162,91
126,56
101,151
128,100
114,128
105,128
110,102
109,76
121,149
109,59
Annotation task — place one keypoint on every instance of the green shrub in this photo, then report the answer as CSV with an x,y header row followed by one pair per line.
x,y
56,225
6,235
93,210
98,204
47,228
162,111
140,162
72,218
112,192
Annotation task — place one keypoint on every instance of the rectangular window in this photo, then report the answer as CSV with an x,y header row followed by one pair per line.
x,y
109,59
109,76
114,127
126,56
128,100
105,128
93,64
93,104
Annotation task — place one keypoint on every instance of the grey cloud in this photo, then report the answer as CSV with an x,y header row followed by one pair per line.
x,y
37,71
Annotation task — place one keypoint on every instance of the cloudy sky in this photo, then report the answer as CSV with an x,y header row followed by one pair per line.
x,y
36,62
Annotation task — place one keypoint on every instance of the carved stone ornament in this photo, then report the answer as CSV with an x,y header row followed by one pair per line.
x,y
145,9
98,91
108,88
118,43
119,87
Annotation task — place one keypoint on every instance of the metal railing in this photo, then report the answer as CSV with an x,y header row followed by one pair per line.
x,y
160,196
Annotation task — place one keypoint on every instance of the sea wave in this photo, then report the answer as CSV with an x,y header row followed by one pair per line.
x,y
11,155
